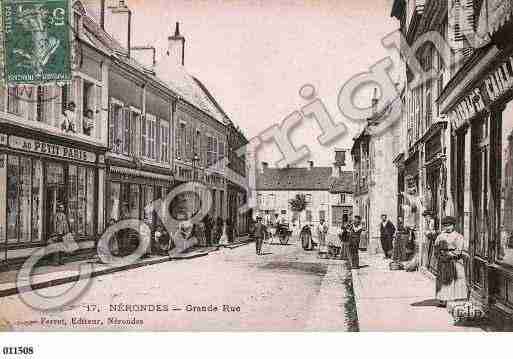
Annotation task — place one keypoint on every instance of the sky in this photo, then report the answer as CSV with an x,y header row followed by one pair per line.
x,y
254,56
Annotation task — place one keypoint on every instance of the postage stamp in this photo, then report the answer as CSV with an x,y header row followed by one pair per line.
x,y
36,41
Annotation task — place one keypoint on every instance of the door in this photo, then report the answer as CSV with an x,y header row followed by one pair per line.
x,y
55,195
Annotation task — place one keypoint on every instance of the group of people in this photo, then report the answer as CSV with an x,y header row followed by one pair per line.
x,y
347,244
449,248
69,122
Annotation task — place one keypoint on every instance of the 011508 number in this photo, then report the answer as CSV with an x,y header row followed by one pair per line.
x,y
28,350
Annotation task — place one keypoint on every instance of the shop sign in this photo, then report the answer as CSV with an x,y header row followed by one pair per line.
x,y
51,149
500,80
467,108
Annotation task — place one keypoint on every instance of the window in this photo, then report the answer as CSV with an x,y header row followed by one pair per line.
x,y
14,104
211,151
116,128
23,199
505,250
197,144
308,214
322,215
308,198
180,140
342,198
80,203
164,141
151,137
221,155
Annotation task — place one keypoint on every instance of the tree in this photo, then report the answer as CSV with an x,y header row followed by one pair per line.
x,y
298,204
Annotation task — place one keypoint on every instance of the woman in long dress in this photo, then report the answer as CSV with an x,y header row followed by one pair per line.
x,y
451,283
343,236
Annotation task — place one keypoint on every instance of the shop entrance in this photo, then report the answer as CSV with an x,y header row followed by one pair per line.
x,y
55,194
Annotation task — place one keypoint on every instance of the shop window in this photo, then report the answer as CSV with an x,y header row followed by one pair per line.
x,y
80,200
480,174
134,201
505,250
147,204
37,197
114,201
23,199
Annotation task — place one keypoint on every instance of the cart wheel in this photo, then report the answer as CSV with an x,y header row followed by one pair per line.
x,y
284,239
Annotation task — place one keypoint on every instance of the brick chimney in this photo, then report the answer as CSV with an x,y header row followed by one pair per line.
x,y
340,161
176,46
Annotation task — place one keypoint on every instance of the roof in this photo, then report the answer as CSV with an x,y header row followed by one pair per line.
x,y
302,178
167,73
179,80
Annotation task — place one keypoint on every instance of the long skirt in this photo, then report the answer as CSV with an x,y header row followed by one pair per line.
x,y
450,281
344,250
323,247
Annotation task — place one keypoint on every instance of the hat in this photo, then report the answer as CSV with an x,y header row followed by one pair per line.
x,y
448,220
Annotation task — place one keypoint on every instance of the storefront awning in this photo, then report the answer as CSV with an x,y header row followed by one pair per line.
x,y
139,173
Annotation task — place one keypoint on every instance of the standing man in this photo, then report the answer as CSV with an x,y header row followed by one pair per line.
x,y
322,232
260,232
387,231
355,231
61,228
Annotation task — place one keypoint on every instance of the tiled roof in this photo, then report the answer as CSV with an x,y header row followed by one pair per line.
x,y
299,178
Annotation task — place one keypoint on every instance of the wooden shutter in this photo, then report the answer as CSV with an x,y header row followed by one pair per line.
x,y
178,140
112,126
144,151
204,149
157,140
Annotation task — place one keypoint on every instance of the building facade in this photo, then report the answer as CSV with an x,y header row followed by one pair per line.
x,y
328,192
464,157
375,176
139,130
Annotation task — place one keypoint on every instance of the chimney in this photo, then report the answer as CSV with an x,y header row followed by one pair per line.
x,y
310,165
176,46
374,102
265,166
119,24
340,161
146,55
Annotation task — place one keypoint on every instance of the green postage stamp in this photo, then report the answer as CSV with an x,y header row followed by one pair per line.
x,y
36,41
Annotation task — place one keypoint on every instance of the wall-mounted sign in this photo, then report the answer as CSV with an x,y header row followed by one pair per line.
x,y
51,149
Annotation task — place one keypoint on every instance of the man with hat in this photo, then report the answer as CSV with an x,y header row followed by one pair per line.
x,y
451,283
260,233
61,228
387,232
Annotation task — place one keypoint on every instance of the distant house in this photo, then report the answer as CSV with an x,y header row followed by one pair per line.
x,y
328,191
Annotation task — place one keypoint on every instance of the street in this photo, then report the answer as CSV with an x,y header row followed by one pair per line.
x,y
285,289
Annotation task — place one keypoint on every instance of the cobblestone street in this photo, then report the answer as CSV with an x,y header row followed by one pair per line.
x,y
230,289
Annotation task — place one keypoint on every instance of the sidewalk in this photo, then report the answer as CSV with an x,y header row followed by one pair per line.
x,y
397,300
48,276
